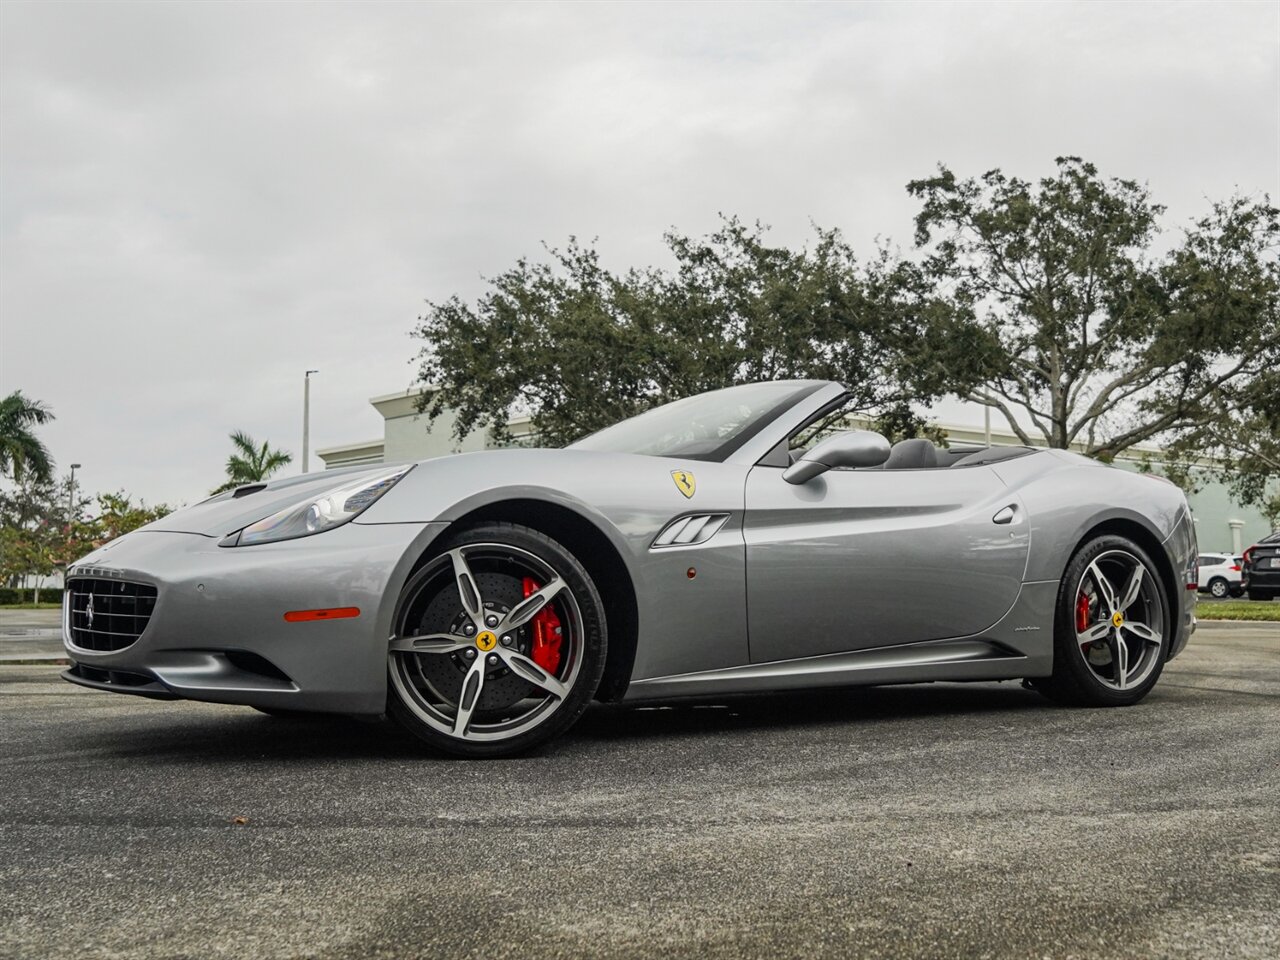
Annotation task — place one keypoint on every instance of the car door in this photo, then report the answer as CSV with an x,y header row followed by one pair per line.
x,y
855,559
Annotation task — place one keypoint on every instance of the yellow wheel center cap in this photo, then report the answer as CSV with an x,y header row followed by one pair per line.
x,y
1117,620
486,640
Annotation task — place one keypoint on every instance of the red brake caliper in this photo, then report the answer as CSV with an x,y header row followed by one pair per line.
x,y
1082,613
546,633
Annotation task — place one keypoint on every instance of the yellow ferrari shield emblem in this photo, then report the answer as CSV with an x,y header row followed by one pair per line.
x,y
1117,619
685,482
485,640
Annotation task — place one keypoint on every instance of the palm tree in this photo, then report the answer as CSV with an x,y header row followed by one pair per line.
x,y
251,463
21,451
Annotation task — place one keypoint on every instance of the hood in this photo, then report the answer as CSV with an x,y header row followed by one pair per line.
x,y
228,512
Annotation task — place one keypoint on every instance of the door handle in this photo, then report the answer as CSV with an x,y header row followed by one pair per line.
x,y
1005,515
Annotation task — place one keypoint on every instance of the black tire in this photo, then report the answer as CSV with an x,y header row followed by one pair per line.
x,y
417,696
1237,592
1259,595
1074,680
1219,588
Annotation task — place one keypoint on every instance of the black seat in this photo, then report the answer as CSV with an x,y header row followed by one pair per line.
x,y
914,454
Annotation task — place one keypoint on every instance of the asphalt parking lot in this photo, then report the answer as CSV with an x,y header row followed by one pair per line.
x,y
943,821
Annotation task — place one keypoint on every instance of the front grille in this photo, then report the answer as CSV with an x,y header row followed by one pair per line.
x,y
108,614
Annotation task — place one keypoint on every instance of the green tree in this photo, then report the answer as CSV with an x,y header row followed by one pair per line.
x,y
118,515
21,451
577,346
31,498
1086,335
38,535
25,552
1241,447
34,523
13,562
1270,508
250,463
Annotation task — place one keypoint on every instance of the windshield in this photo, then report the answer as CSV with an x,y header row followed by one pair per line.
x,y
709,426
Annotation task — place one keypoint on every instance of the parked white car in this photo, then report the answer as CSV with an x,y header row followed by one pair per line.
x,y
1220,574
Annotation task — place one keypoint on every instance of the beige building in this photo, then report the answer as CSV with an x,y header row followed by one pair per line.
x,y
1221,524
408,435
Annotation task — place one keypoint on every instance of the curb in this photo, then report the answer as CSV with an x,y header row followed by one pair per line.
x,y
1201,623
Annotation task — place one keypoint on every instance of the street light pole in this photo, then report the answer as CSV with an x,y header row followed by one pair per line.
x,y
71,495
306,419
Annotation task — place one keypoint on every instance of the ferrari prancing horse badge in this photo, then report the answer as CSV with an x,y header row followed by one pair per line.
x,y
684,482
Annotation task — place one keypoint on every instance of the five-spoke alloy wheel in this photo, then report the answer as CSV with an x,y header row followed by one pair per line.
x,y
1113,627
499,643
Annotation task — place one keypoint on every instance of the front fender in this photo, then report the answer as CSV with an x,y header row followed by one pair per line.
x,y
684,622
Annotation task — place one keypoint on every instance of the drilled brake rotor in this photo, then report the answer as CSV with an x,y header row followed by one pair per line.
x,y
443,674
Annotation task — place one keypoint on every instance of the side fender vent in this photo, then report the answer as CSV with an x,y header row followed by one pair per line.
x,y
687,531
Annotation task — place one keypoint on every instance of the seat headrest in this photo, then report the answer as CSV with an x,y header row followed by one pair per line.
x,y
912,455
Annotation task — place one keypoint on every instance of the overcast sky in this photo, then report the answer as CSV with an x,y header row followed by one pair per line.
x,y
200,201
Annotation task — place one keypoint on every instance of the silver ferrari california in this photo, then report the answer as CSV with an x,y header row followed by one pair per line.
x,y
738,541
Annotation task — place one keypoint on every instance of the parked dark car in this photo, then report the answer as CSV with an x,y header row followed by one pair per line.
x,y
1261,574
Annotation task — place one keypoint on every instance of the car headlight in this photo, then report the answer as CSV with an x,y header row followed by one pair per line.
x,y
318,514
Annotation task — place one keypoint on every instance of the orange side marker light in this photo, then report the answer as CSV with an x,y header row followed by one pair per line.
x,y
331,613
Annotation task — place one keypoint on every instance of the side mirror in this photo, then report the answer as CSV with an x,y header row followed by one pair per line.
x,y
857,448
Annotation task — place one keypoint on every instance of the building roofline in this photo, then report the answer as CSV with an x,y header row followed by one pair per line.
x,y
378,444
408,392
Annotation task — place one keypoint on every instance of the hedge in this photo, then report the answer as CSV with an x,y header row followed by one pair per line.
x,y
14,595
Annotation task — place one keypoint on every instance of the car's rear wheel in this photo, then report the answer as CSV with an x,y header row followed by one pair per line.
x,y
1219,588
499,643
1259,595
1113,627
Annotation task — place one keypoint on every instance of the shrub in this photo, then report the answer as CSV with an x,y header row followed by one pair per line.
x,y
9,595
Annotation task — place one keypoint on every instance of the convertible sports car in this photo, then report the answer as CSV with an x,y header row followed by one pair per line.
x,y
731,542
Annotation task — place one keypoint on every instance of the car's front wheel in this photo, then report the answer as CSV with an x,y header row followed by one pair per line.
x,y
1113,628
499,643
